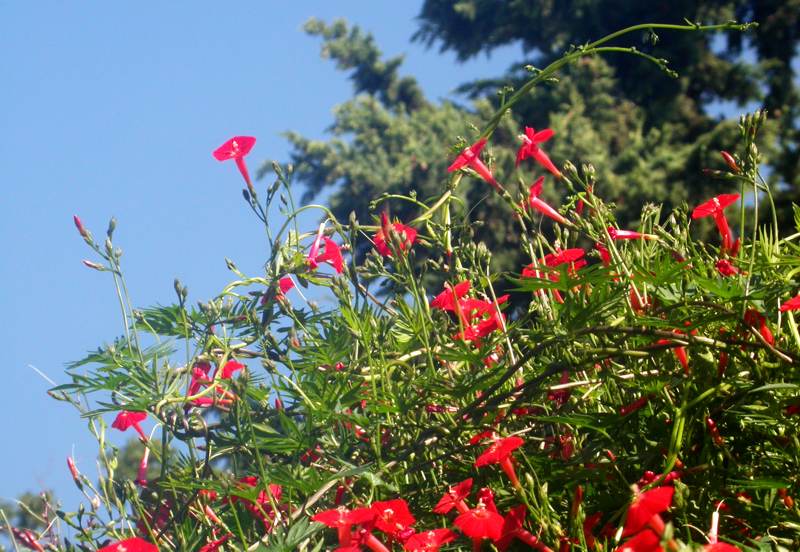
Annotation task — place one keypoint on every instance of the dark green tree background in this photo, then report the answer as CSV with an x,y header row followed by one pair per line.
x,y
648,135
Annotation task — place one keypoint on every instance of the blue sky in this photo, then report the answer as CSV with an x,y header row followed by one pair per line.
x,y
113,108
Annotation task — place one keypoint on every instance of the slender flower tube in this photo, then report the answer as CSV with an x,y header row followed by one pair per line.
x,y
715,207
629,235
126,419
470,157
537,203
530,148
237,148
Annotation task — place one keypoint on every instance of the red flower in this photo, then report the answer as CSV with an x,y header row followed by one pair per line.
x,y
470,157
530,148
392,516
720,547
331,255
237,148
447,299
499,452
230,367
407,236
285,284
127,418
629,235
536,203
715,207
130,545
454,498
792,304
512,529
342,517
214,545
645,507
429,541
646,541
634,406
726,268
480,523
605,256
755,319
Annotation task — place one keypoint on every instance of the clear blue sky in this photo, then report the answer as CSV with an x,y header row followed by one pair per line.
x,y
113,108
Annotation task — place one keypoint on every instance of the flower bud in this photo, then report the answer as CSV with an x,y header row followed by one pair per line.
x,y
730,161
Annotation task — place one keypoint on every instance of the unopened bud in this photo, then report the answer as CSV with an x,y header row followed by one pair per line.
x,y
95,266
730,161
112,225
277,168
76,476
109,247
246,195
79,225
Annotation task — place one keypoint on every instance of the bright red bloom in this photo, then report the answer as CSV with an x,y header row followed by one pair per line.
x,y
27,538
407,236
285,284
605,256
726,268
470,157
513,529
628,235
332,255
127,418
646,541
429,541
499,452
645,506
530,148
230,367
721,547
536,203
792,304
392,516
214,545
755,319
480,523
715,207
342,519
447,299
130,545
454,498
237,148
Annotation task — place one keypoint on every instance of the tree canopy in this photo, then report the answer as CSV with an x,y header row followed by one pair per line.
x,y
648,134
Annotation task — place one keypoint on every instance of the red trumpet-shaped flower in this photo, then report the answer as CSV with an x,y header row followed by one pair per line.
x,y
480,523
499,452
645,507
127,418
530,148
130,545
470,157
715,207
539,204
393,517
629,235
792,304
343,519
755,319
407,236
727,268
429,541
513,529
454,498
237,148
646,541
447,299
332,254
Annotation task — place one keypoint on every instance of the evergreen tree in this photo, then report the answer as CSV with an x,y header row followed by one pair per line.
x,y
646,130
